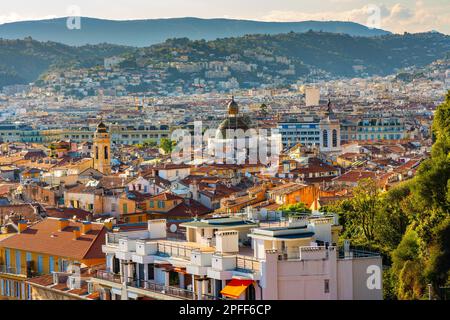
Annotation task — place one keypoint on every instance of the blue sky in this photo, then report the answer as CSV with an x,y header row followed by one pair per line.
x,y
395,15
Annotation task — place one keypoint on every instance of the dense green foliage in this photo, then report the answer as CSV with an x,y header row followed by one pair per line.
x,y
294,209
409,224
167,145
336,54
24,61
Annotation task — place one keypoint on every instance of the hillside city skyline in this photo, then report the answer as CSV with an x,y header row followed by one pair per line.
x,y
222,160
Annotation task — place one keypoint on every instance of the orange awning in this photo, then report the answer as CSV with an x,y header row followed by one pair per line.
x,y
180,270
235,288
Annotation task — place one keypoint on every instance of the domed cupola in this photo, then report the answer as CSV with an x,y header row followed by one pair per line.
x,y
101,127
233,108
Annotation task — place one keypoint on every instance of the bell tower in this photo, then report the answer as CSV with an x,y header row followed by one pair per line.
x,y
102,149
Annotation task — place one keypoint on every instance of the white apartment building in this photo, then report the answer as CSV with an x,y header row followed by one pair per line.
x,y
234,258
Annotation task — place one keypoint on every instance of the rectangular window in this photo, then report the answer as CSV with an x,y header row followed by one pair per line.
x,y
18,262
29,259
17,289
7,259
40,267
60,265
65,264
125,208
50,264
327,286
152,204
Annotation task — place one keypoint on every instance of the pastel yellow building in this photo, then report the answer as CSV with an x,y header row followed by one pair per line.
x,y
46,247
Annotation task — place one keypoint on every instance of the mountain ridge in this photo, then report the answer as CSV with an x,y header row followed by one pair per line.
x,y
145,32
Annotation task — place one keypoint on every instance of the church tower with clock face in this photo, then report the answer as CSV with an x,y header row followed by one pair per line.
x,y
102,149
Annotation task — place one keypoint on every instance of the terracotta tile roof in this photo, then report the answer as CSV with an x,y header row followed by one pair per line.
x,y
355,175
68,213
111,182
81,292
166,196
20,212
44,237
190,209
61,287
137,196
81,188
94,296
45,280
286,188
268,205
218,190
314,166
169,166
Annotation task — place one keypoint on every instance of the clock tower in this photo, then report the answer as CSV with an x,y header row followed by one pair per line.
x,y
102,149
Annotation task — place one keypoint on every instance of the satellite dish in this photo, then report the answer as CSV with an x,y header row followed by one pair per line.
x,y
173,228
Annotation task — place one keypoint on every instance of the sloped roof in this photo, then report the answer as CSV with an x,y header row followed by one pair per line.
x,y
44,237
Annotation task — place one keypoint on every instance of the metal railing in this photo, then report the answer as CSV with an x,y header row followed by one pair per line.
x,y
22,271
247,264
353,253
113,238
109,276
147,285
174,250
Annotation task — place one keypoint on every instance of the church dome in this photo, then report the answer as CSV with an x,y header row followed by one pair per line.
x,y
233,108
233,123
101,127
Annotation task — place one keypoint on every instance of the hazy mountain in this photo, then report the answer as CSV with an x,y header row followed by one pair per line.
x,y
142,33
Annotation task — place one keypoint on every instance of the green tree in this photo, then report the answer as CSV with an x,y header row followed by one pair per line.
x,y
294,209
392,220
167,145
406,268
360,214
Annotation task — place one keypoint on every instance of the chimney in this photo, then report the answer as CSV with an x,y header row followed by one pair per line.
x,y
108,225
76,233
86,226
22,226
62,224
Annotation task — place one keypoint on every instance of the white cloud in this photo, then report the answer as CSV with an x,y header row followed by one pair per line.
x,y
397,18
13,17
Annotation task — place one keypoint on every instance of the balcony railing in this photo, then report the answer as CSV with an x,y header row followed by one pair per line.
x,y
29,273
174,250
147,285
113,239
247,264
356,253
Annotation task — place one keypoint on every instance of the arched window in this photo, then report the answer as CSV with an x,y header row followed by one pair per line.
x,y
106,153
325,138
335,138
96,153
